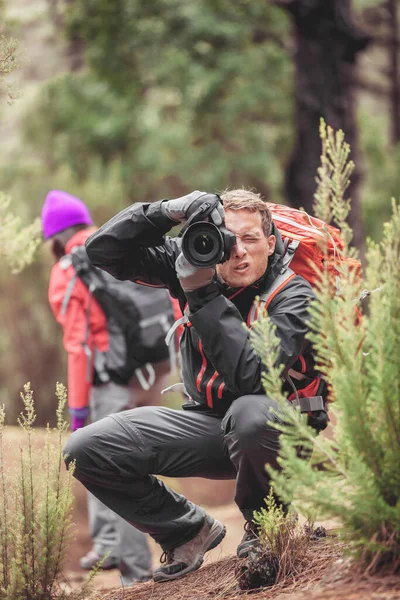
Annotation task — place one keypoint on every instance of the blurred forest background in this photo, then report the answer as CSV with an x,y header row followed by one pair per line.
x,y
137,100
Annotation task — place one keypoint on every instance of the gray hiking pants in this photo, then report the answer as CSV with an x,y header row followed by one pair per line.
x,y
110,533
118,457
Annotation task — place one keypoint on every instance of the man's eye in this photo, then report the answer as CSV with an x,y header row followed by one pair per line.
x,y
250,240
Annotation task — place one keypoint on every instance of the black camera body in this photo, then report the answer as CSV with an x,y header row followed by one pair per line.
x,y
203,243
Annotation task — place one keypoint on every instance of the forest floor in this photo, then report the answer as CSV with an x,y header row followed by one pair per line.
x,y
328,574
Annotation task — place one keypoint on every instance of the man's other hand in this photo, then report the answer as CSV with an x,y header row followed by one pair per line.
x,y
190,277
180,209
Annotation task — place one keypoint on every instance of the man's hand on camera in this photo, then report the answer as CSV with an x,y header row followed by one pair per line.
x,y
180,209
190,277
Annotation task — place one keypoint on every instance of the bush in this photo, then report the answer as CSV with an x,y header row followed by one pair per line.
x,y
360,480
18,243
35,509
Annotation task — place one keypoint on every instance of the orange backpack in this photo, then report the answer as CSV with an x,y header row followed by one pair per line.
x,y
304,237
309,232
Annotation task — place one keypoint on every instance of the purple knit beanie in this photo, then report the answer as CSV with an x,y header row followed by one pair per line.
x,y
60,211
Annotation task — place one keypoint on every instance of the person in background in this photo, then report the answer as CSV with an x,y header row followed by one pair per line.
x,y
66,224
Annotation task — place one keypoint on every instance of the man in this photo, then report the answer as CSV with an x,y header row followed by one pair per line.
x,y
66,224
224,431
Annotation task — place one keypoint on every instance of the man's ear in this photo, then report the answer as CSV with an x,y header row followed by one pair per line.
x,y
271,244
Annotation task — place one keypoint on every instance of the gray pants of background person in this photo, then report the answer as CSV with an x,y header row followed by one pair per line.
x,y
117,458
110,533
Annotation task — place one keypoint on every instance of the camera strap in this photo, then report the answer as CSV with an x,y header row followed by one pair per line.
x,y
199,215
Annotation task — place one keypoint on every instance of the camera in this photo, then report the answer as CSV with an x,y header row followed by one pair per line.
x,y
203,243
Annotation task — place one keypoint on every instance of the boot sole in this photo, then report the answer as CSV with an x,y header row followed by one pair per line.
x,y
243,553
159,577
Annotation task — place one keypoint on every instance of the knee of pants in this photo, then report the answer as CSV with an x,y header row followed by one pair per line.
x,y
73,449
248,419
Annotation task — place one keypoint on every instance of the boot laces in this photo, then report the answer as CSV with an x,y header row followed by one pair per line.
x,y
250,531
167,557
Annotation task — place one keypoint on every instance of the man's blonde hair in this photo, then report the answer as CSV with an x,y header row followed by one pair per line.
x,y
252,201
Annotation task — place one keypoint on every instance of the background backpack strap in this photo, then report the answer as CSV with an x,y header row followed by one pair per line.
x,y
259,308
148,382
68,294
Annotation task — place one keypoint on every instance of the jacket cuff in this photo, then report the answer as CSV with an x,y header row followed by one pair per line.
x,y
157,215
81,413
202,296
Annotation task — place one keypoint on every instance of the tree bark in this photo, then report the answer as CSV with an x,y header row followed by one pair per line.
x,y
394,48
327,43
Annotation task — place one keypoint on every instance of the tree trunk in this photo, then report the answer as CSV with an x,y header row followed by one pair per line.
x,y
394,48
327,43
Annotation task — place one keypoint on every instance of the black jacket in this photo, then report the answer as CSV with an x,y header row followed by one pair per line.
x,y
219,363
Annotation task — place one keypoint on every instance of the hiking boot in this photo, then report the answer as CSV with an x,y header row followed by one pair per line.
x,y
91,559
249,540
188,557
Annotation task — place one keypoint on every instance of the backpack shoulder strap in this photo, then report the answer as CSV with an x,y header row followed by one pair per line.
x,y
290,248
269,295
65,262
285,275
80,261
68,293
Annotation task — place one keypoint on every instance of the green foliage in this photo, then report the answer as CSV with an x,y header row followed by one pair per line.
x,y
8,63
270,521
359,482
164,119
79,118
18,243
360,5
36,503
333,178
284,542
381,172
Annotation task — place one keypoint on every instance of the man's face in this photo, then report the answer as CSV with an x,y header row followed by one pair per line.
x,y
249,257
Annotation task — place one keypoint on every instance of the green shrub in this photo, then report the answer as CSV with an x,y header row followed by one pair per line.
x,y
35,509
359,482
18,243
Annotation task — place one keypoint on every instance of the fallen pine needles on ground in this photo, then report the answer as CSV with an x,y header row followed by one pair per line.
x,y
217,581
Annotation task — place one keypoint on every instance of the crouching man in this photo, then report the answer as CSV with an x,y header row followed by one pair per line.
x,y
223,432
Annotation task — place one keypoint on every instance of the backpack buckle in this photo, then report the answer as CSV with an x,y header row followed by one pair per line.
x,y
310,404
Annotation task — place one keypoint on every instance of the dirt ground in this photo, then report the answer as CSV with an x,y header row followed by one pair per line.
x,y
216,579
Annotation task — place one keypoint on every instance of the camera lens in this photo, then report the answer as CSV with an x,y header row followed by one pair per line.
x,y
203,244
